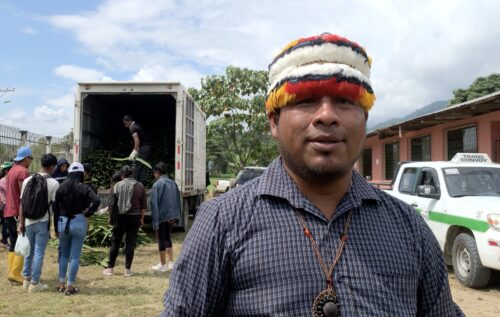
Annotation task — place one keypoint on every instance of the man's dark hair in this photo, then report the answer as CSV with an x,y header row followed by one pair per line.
x,y
87,168
277,114
117,176
160,168
128,118
48,160
126,171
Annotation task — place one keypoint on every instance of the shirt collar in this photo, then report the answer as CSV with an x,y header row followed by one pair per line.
x,y
277,183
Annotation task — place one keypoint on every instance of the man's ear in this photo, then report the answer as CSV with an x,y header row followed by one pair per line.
x,y
273,118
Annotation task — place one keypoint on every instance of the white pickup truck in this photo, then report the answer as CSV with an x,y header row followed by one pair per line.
x,y
460,201
222,186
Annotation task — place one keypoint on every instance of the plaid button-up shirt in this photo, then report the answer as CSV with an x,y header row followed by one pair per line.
x,y
247,255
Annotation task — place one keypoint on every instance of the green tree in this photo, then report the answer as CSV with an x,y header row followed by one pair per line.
x,y
480,87
238,132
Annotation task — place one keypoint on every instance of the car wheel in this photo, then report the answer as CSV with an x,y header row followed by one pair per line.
x,y
466,263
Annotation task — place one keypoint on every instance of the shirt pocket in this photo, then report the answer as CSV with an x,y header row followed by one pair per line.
x,y
381,293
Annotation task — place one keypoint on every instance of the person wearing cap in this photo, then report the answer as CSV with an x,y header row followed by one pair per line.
x,y
4,169
75,202
17,174
311,236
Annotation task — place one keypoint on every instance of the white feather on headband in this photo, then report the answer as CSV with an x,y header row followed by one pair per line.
x,y
295,71
325,52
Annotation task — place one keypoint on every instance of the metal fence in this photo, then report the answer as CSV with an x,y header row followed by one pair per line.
x,y
11,138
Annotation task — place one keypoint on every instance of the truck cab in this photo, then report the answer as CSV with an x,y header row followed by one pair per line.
x,y
460,201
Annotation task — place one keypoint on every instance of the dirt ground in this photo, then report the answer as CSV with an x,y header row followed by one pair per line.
x,y
483,303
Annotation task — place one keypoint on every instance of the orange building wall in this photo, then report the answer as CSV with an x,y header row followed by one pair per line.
x,y
488,131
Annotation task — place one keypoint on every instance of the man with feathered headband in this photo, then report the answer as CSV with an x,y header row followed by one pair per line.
x,y
311,237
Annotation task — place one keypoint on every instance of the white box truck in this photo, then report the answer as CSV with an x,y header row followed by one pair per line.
x,y
174,123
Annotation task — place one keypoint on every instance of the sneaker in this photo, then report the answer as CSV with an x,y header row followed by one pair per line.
x,y
170,266
128,273
108,271
26,284
160,268
39,287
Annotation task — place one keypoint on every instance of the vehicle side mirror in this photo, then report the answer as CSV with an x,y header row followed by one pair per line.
x,y
428,191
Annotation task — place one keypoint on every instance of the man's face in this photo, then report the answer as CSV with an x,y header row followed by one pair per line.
x,y
320,139
127,124
27,161
63,168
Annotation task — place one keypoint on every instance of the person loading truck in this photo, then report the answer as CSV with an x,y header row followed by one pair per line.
x,y
142,148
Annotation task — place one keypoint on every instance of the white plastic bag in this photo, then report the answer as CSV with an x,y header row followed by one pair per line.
x,y
22,246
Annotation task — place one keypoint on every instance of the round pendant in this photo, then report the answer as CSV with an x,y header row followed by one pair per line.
x,y
326,304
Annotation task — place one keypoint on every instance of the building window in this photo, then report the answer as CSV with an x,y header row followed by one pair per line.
x,y
391,156
367,164
462,141
421,149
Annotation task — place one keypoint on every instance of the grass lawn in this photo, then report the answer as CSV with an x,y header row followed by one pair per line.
x,y
139,295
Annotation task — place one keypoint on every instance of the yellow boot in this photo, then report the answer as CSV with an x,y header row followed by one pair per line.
x,y
10,258
15,269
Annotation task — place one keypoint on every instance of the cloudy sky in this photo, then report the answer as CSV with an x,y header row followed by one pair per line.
x,y
421,50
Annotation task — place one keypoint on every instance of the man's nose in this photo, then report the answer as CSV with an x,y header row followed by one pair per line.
x,y
327,112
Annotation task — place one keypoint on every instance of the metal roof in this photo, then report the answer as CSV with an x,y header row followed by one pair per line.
x,y
471,108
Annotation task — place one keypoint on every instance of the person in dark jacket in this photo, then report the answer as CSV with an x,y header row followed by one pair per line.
x,y
61,172
130,198
74,203
165,212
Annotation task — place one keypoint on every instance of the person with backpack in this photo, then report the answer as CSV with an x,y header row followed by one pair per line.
x,y
17,174
130,198
75,202
38,193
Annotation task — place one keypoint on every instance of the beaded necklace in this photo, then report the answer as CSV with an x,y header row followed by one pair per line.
x,y
326,303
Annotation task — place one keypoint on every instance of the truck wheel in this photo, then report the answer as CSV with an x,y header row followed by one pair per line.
x,y
466,263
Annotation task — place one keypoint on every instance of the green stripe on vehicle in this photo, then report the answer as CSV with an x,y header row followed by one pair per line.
x,y
473,224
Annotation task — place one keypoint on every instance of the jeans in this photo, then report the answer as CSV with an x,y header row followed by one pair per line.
x,y
71,246
128,226
38,234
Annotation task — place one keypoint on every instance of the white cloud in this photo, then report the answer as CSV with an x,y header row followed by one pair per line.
x,y
421,50
80,74
65,101
188,76
29,30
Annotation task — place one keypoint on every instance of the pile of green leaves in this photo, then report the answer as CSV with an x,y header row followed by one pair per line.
x,y
103,167
100,233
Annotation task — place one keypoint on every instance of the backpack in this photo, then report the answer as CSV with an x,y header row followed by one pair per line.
x,y
35,200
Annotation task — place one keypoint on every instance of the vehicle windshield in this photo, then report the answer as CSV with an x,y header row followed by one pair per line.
x,y
246,175
472,181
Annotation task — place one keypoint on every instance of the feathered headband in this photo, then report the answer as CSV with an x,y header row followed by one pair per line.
x,y
324,65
